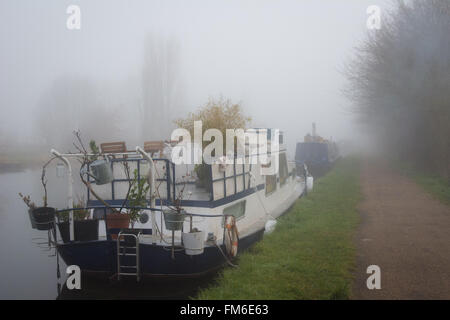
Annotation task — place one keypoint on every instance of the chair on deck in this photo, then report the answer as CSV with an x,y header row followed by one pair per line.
x,y
113,147
153,146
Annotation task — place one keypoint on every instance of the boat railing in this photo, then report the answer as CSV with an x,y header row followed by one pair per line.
x,y
110,232
128,156
221,182
168,177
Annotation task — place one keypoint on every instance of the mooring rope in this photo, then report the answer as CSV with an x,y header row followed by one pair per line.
x,y
225,256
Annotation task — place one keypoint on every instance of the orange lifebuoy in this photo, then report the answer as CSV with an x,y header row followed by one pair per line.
x,y
231,236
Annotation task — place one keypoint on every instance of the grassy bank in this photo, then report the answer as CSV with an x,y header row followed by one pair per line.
x,y
433,184
310,254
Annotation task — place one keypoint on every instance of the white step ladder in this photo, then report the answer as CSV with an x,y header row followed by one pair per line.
x,y
122,252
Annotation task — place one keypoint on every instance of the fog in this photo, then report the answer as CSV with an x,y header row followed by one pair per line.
x,y
158,60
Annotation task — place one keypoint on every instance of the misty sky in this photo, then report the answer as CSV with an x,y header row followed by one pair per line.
x,y
281,59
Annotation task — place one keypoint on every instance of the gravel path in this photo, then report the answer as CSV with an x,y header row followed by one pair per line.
x,y
406,232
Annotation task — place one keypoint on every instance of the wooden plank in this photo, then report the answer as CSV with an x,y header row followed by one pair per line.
x,y
153,146
113,147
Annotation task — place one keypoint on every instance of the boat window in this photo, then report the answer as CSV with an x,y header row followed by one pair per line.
x,y
237,210
271,184
283,169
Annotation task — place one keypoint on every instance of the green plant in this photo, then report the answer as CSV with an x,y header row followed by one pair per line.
x,y
136,197
204,175
80,214
94,149
220,114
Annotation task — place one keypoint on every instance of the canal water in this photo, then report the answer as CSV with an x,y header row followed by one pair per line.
x,y
28,267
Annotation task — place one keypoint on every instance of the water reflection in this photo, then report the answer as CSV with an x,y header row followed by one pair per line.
x,y
27,266
128,288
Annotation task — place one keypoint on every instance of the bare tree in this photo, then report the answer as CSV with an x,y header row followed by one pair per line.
x,y
161,86
71,104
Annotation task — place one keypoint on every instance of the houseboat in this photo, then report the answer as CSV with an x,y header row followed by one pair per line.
x,y
317,153
191,222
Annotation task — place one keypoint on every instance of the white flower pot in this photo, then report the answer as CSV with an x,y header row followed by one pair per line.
x,y
194,242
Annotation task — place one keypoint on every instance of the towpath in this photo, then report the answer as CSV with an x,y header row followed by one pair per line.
x,y
404,231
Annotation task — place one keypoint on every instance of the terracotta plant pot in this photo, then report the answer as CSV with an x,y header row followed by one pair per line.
x,y
117,221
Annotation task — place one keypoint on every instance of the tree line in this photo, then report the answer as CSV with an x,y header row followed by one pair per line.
x,y
399,82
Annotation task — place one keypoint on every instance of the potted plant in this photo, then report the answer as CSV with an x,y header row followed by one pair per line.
x,y
137,197
84,229
193,242
116,219
41,218
174,216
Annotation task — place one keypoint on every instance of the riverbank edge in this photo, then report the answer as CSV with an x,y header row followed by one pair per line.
x,y
311,253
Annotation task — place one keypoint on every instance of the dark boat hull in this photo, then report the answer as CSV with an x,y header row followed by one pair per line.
x,y
100,258
319,157
317,170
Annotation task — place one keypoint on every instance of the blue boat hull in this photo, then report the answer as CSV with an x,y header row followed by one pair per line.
x,y
101,257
